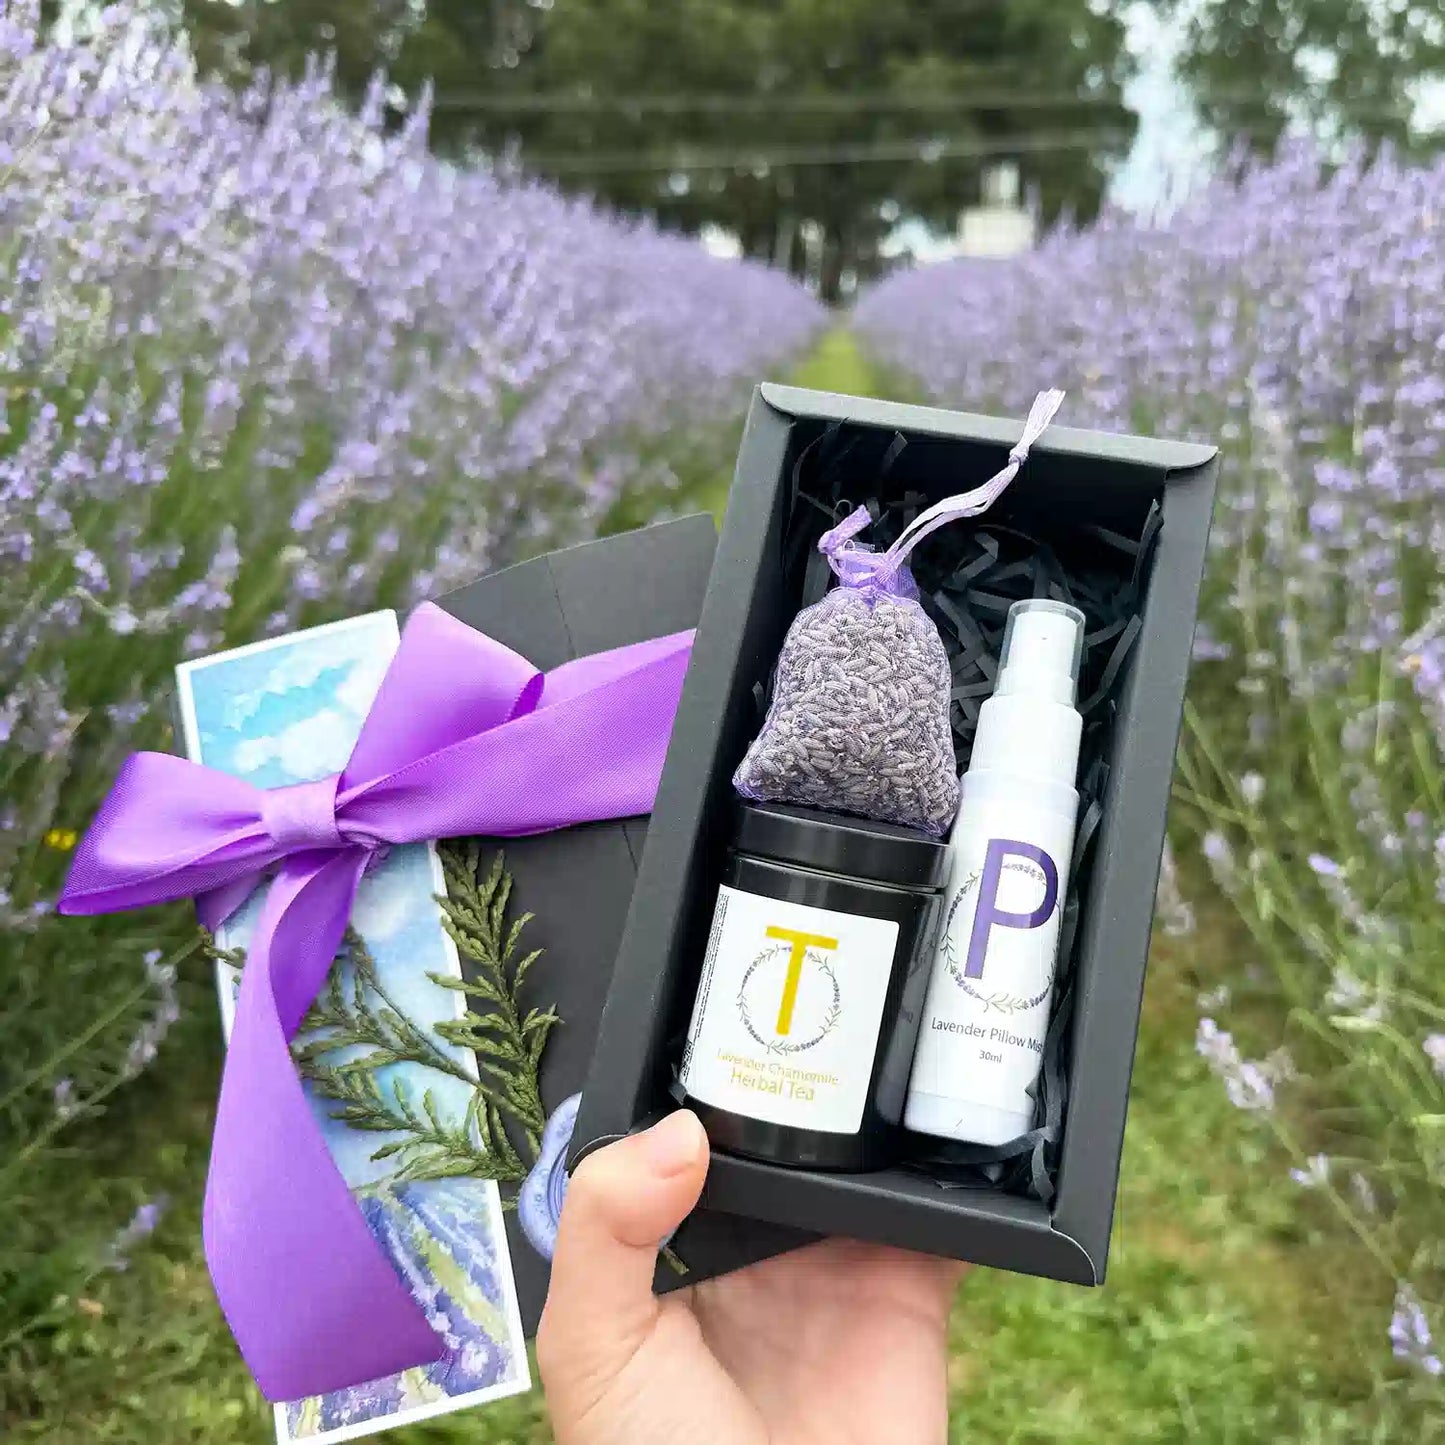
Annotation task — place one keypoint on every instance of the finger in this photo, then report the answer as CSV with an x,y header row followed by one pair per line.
x,y
928,1285
621,1204
947,1275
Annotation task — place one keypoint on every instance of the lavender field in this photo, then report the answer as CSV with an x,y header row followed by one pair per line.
x,y
1295,312
265,363
262,363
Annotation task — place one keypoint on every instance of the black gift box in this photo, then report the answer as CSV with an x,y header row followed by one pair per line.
x,y
1073,480
578,882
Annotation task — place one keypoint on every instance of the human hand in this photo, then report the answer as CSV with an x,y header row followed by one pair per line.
x,y
836,1342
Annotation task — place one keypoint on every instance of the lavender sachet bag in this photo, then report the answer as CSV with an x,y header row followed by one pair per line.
x,y
859,716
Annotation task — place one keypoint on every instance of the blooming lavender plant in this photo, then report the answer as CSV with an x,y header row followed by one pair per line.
x,y
1175,912
141,1226
1410,1336
1315,1173
144,1044
1250,1083
1292,312
265,362
1289,311
264,359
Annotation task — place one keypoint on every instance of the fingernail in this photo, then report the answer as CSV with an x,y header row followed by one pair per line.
x,y
674,1144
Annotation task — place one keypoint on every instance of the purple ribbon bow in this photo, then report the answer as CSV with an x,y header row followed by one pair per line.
x,y
465,737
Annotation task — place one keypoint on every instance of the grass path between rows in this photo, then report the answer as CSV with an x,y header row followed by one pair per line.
x,y
1220,1322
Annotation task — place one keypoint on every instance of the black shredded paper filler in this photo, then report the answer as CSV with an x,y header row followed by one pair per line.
x,y
968,575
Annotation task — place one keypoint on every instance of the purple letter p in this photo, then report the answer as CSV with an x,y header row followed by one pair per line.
x,y
989,913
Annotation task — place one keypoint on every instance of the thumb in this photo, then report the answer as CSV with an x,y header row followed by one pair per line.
x,y
621,1204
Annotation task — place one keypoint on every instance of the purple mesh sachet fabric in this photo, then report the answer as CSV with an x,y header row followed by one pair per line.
x,y
859,719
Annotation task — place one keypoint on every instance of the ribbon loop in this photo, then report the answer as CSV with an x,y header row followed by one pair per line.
x,y
832,542
981,498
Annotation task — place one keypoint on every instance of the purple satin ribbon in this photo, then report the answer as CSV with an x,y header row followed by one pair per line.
x,y
465,738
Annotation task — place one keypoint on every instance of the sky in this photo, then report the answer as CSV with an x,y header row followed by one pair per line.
x,y
1170,154
1171,150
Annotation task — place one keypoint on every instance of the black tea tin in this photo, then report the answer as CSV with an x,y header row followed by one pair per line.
x,y
812,984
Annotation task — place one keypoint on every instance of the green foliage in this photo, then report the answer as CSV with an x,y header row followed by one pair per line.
x,y
432,1148
781,122
811,117
355,1028
237,38
507,1041
352,1032
342,1018
1348,67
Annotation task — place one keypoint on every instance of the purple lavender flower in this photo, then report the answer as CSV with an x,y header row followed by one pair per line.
x,y
1410,1336
126,715
1354,998
1249,1083
1315,1173
67,1106
1208,648
1434,1047
141,1226
1176,914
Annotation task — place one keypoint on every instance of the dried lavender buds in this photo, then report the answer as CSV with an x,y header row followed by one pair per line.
x,y
859,718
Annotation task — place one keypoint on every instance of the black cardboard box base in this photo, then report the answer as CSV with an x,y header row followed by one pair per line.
x,y
1073,478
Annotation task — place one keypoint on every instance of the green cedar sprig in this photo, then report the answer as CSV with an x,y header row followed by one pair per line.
x,y
507,1041
366,1016
337,1021
427,1147
355,1028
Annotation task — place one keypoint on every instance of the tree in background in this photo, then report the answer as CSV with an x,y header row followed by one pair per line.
x,y
778,119
1347,68
796,125
454,40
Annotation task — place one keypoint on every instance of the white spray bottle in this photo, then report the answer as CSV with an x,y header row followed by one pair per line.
x,y
980,1045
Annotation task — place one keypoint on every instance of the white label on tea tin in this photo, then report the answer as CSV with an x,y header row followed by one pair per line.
x,y
785,1027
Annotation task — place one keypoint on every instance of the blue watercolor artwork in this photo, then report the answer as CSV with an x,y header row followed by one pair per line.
x,y
289,711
